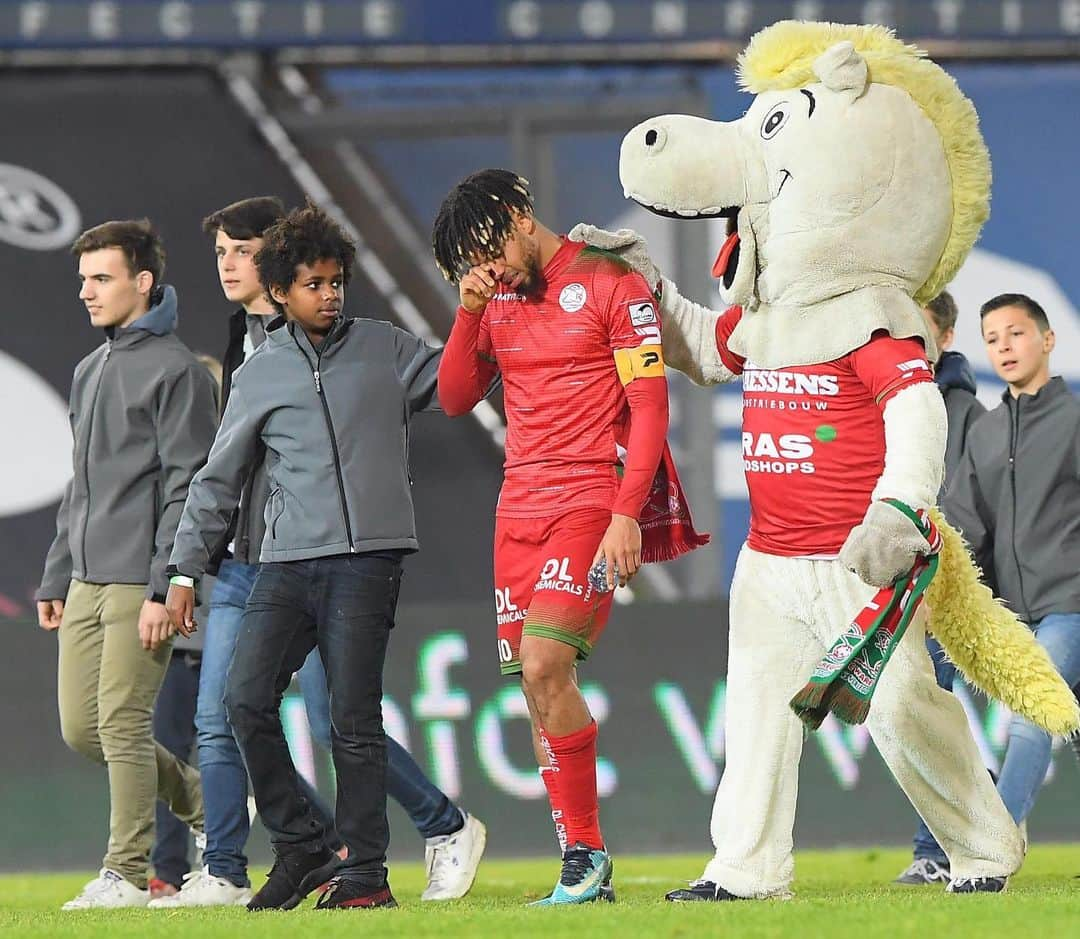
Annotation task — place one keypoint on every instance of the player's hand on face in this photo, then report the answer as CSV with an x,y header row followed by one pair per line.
x,y
49,613
621,548
480,285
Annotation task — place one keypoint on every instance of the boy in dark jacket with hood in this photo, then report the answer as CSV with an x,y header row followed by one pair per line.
x,y
956,380
142,417
1015,498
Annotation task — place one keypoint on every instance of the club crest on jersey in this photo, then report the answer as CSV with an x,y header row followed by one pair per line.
x,y
641,314
572,297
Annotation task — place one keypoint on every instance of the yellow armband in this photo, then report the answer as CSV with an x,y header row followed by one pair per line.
x,y
642,362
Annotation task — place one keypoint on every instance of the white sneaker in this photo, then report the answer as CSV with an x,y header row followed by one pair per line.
x,y
452,860
108,891
201,888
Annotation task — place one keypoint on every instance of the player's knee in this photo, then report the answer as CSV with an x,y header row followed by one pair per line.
x,y
544,675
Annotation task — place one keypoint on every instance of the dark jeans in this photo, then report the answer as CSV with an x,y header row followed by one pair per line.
x,y
224,777
174,729
925,844
429,808
345,607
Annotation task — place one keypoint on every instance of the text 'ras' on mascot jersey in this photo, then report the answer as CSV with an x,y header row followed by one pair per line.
x,y
858,182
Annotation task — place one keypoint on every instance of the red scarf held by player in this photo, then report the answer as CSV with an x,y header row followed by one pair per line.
x,y
667,530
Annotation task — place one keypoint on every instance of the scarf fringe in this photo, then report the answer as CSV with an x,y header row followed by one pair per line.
x,y
669,550
808,704
848,707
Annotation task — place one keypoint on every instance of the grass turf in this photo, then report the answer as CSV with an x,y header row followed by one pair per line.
x,y
839,893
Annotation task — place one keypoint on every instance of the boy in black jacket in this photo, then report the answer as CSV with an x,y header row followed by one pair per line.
x,y
956,380
1015,497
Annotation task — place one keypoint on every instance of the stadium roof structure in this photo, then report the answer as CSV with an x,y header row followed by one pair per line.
x,y
501,31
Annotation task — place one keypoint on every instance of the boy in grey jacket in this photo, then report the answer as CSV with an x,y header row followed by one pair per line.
x,y
1016,498
142,417
329,400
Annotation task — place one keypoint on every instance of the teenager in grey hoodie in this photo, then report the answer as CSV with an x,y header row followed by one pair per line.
x,y
142,417
329,400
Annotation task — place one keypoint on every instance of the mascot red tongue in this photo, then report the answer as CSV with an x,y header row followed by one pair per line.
x,y
861,181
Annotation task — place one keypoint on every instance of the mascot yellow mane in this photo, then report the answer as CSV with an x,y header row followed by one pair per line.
x,y
782,57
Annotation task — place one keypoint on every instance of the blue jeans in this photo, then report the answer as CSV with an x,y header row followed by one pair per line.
x,y
1027,756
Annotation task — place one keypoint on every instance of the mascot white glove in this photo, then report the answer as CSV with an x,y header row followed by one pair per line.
x,y
689,330
883,546
626,243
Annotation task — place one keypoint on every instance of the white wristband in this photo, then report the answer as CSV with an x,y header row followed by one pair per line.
x,y
182,580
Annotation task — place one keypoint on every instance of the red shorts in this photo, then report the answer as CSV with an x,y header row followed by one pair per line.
x,y
541,582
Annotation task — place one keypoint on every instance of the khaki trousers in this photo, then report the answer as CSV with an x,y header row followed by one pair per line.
x,y
107,685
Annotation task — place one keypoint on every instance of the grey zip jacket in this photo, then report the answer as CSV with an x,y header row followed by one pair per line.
x,y
1016,498
142,411
334,423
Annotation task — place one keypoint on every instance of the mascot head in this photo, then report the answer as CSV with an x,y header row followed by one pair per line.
x,y
858,165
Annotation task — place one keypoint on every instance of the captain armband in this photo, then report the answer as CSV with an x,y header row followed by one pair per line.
x,y
645,361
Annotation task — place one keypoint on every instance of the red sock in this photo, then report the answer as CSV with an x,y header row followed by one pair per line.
x,y
573,758
550,776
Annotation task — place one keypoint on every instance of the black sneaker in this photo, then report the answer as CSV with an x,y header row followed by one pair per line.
x,y
341,894
294,875
700,890
977,885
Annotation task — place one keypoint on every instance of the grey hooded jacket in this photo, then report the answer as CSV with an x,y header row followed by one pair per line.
x,y
956,380
334,422
142,411
1016,498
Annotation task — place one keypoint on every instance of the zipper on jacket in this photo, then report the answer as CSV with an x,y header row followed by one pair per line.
x,y
1014,434
86,459
315,368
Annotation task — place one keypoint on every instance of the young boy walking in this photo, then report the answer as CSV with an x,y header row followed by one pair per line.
x,y
328,398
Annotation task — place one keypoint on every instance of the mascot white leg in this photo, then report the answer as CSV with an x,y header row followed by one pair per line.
x,y
771,650
923,735
784,613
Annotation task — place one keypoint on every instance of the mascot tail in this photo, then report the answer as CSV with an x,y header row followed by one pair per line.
x,y
995,651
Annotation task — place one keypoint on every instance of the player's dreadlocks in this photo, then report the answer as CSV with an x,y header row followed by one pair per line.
x,y
304,236
477,217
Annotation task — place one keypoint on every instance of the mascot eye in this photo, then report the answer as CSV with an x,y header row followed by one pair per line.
x,y
774,120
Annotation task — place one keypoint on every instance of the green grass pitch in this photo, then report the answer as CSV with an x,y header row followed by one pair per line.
x,y
838,894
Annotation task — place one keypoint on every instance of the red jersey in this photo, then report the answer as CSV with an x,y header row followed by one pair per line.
x,y
814,439
569,389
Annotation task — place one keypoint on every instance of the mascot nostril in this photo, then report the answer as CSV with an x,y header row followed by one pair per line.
x,y
650,137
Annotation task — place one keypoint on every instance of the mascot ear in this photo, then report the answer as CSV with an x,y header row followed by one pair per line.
x,y
842,69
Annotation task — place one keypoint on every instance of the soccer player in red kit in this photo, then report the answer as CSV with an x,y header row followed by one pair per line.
x,y
575,335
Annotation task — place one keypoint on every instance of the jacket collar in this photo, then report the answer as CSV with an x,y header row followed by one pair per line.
x,y
282,331
1053,389
159,320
